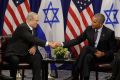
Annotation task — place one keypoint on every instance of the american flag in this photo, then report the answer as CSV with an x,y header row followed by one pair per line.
x,y
14,15
79,17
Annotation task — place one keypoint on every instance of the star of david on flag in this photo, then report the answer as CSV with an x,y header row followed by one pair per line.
x,y
114,13
53,18
111,10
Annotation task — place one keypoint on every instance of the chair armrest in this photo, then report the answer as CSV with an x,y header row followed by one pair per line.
x,y
104,65
0,58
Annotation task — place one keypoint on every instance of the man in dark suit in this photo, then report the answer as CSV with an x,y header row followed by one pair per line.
x,y
23,44
101,46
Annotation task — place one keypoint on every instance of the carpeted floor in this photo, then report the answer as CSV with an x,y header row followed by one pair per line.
x,y
62,75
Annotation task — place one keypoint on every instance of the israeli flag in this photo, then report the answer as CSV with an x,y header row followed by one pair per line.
x,y
51,20
51,25
111,10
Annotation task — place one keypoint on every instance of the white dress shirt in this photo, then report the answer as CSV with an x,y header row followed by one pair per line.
x,y
98,37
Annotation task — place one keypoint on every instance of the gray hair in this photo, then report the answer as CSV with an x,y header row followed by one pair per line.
x,y
31,15
100,17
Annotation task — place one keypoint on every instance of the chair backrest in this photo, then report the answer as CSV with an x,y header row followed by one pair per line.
x,y
4,41
118,43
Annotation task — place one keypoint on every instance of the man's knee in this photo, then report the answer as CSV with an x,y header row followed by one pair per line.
x,y
88,57
13,60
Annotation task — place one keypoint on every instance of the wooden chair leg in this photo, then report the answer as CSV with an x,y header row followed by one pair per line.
x,y
23,71
96,75
56,73
0,71
81,76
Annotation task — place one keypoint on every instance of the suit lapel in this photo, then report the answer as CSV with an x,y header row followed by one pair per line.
x,y
92,34
28,28
103,33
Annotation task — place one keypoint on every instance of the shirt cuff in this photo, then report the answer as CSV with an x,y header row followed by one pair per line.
x,y
62,44
46,43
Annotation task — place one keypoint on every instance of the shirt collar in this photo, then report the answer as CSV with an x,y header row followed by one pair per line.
x,y
29,27
100,29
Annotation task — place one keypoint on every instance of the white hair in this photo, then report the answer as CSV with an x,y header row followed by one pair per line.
x,y
31,15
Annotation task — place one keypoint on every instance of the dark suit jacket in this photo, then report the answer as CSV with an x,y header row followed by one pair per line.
x,y
22,39
107,42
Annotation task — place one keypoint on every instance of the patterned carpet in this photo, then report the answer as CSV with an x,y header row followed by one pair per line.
x,y
62,75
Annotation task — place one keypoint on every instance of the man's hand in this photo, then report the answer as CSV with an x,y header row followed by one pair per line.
x,y
99,54
54,44
57,44
32,50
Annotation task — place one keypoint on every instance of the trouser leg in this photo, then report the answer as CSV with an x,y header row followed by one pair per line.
x,y
13,61
36,61
86,66
77,68
75,73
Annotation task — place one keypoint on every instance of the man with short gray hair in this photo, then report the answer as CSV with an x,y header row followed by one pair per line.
x,y
23,45
100,48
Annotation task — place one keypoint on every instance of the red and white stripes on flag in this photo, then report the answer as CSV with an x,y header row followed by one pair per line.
x,y
15,14
79,17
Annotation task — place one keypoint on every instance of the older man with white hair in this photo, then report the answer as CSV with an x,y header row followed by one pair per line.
x,y
23,44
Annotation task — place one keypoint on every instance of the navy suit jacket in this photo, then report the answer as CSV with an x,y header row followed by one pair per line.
x,y
107,41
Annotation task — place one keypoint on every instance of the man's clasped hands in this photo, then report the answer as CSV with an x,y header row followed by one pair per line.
x,y
55,44
32,50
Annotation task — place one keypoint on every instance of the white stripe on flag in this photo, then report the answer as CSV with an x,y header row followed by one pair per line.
x,y
10,18
6,29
